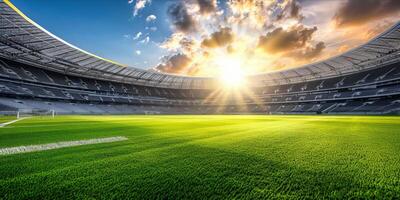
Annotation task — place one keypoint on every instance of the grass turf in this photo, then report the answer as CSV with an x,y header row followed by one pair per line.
x,y
4,119
197,157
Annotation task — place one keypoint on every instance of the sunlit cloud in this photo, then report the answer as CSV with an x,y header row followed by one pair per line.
x,y
264,35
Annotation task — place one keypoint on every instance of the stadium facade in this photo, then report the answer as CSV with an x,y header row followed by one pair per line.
x,y
39,71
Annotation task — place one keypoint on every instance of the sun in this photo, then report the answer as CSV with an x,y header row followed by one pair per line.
x,y
231,74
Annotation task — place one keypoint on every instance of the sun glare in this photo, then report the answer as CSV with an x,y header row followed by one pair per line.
x,y
231,73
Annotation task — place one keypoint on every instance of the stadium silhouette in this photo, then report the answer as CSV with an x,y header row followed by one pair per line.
x,y
40,74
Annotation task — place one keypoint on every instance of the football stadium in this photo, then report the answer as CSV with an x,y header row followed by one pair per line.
x,y
74,125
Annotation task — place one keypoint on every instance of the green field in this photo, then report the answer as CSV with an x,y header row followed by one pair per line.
x,y
198,157
7,118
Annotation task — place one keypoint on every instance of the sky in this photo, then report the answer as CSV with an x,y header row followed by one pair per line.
x,y
210,37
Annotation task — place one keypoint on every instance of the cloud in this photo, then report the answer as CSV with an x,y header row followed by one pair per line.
x,y
280,40
313,52
358,12
187,45
174,64
146,40
180,18
179,42
152,28
264,35
138,52
378,28
292,10
207,6
151,18
139,5
137,36
220,38
295,10
309,53
251,15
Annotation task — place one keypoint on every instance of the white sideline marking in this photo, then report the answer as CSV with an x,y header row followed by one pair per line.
x,y
58,145
11,122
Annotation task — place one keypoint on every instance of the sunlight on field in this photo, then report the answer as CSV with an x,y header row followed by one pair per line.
x,y
189,157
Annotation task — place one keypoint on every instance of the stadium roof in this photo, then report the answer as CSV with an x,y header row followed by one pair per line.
x,y
23,40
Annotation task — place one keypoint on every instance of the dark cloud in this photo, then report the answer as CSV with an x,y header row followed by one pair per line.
x,y
310,52
207,6
295,10
358,12
280,41
292,10
314,52
220,38
180,17
174,64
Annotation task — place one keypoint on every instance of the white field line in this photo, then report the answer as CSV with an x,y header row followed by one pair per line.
x,y
58,145
13,121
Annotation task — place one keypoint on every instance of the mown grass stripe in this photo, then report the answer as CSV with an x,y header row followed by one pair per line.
x,y
58,145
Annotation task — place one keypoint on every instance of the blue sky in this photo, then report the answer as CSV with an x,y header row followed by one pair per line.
x,y
104,27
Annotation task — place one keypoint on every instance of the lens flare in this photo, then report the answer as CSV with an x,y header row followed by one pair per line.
x,y
231,73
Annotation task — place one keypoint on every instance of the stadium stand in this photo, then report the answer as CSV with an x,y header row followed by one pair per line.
x,y
40,71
